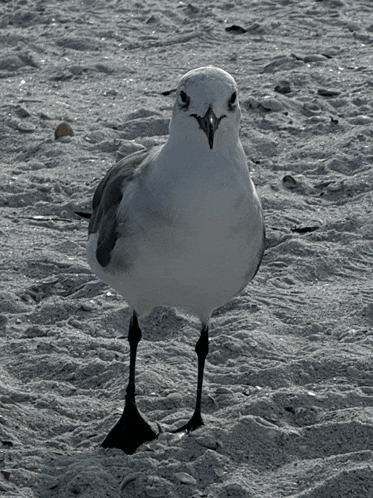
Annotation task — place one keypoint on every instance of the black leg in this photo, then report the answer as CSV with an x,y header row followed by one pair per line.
x,y
131,430
202,349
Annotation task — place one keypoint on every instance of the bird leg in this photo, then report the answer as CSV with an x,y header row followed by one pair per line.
x,y
202,349
131,430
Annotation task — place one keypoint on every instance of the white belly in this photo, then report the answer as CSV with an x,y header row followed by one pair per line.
x,y
193,247
194,266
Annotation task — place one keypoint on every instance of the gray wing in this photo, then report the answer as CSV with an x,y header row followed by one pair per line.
x,y
107,198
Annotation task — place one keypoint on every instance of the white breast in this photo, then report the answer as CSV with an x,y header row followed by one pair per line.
x,y
191,242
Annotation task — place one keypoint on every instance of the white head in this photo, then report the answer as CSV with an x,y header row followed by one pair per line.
x,y
206,110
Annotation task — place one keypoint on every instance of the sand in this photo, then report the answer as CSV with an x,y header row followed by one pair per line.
x,y
288,394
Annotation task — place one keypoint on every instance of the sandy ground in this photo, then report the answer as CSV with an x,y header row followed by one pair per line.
x,y
288,395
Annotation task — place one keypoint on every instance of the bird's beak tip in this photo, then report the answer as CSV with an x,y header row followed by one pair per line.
x,y
209,124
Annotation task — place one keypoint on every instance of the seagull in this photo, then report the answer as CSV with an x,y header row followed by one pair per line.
x,y
179,225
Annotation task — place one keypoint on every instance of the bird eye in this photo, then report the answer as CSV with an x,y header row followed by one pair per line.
x,y
232,101
184,99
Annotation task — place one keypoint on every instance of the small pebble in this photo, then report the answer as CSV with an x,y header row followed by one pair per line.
x,y
174,397
361,120
22,112
236,29
110,93
253,102
314,338
283,87
25,127
34,331
298,183
185,478
271,104
223,390
328,92
289,182
87,307
63,130
7,401
311,109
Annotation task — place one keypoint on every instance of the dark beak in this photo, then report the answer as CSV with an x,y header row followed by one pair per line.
x,y
209,124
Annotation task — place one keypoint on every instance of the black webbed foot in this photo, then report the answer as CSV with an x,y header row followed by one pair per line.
x,y
130,431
